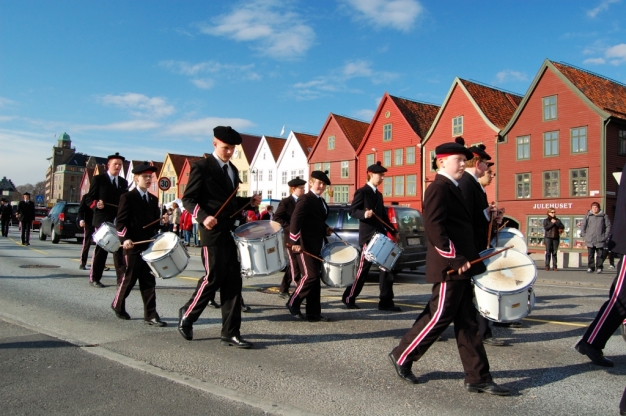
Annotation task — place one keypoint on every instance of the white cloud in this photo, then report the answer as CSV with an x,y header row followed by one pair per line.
x,y
364,114
510,76
277,33
140,105
24,154
204,126
204,84
396,14
594,61
616,54
131,125
604,5
5,102
215,69
4,119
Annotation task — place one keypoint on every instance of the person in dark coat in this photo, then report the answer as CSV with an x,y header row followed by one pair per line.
x,y
212,181
308,232
137,209
85,221
552,235
450,243
283,217
368,205
103,198
267,214
6,212
26,215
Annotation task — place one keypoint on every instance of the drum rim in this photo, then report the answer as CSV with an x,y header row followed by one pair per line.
x,y
337,243
513,230
511,292
250,224
160,236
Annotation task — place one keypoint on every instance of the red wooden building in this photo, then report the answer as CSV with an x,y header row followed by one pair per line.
x,y
394,137
477,113
335,152
560,149
183,177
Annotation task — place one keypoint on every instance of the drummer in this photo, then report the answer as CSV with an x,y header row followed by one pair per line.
x,y
103,198
307,232
137,221
212,184
450,245
368,206
283,217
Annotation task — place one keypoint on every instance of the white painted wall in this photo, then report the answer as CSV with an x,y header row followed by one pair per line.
x,y
293,161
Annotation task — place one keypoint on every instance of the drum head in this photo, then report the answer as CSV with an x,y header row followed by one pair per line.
x,y
509,271
339,253
257,229
164,243
507,238
513,231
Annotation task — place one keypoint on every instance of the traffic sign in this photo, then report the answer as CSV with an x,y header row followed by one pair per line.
x,y
164,183
39,199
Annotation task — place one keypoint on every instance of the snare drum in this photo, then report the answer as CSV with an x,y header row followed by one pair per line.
x,y
511,237
340,264
106,237
166,256
504,293
382,251
261,247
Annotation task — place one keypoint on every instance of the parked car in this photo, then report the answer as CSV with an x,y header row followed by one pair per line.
x,y
60,223
408,221
40,213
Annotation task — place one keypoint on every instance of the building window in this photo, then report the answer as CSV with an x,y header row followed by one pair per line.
x,y
263,156
387,186
244,176
173,178
551,184
549,108
410,155
578,182
283,194
579,139
411,181
431,160
621,142
255,175
457,126
398,185
260,176
387,158
270,175
331,142
387,133
301,173
293,153
327,168
369,159
293,174
398,156
244,194
522,183
269,194
345,169
523,147
318,166
283,177
551,143
340,194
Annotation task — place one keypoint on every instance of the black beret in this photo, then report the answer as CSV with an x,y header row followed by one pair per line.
x,y
26,193
480,151
322,176
377,168
116,156
227,134
490,164
454,148
144,167
295,182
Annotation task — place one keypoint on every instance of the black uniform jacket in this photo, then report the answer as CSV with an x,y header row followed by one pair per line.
x,y
308,223
208,188
84,212
102,189
365,197
617,242
283,214
6,211
133,215
26,211
477,203
449,234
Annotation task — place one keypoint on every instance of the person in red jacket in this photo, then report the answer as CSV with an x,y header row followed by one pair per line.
x,y
186,225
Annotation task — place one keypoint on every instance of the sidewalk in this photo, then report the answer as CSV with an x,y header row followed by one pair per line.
x,y
573,276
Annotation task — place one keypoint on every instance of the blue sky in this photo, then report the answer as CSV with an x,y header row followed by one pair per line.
x,y
146,77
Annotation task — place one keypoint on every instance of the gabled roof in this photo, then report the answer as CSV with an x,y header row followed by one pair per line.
x,y
158,165
7,185
192,159
353,129
306,142
420,116
177,161
276,145
250,144
78,159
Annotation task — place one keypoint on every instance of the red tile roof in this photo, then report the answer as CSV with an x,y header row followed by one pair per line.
x,y
353,129
178,161
497,105
606,94
276,145
420,116
306,141
250,144
158,165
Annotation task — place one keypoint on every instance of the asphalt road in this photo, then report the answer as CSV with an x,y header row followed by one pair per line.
x,y
63,351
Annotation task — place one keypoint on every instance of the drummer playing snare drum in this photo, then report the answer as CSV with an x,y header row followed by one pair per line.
x,y
137,221
368,206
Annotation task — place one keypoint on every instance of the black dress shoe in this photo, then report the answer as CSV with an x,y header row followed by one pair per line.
x,y
155,322
317,318
214,304
121,315
295,313
245,308
392,308
594,354
490,387
496,342
106,269
27,243
516,324
283,295
235,342
82,267
404,371
351,305
97,284
185,328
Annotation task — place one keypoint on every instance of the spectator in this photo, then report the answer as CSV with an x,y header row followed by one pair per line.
x,y
596,230
175,219
194,231
268,213
186,226
553,227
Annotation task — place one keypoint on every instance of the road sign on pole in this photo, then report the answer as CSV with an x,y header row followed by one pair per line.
x,y
164,183
39,199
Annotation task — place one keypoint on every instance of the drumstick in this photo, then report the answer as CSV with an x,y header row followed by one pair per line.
x,y
490,228
152,223
111,205
503,225
484,257
144,241
381,220
238,212
342,240
226,203
307,253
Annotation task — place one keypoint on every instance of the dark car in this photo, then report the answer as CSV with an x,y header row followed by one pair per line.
x,y
40,214
60,223
408,222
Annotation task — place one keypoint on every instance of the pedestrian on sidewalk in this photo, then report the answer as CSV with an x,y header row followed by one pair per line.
x,y
596,229
553,228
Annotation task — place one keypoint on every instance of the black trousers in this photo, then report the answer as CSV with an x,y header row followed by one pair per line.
x,y
26,227
98,263
484,329
552,245
611,314
309,286
292,274
137,270
87,240
385,283
595,257
224,273
5,226
451,302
